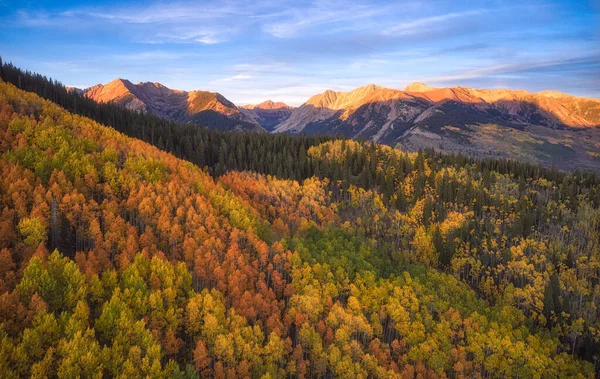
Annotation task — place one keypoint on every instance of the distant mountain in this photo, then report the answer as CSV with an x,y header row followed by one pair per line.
x,y
268,114
206,108
546,127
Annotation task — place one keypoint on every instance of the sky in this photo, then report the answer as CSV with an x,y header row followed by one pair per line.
x,y
251,51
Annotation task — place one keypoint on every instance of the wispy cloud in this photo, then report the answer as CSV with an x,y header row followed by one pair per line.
x,y
207,40
34,19
189,34
370,62
237,77
161,13
205,23
516,68
151,56
418,25
233,78
322,15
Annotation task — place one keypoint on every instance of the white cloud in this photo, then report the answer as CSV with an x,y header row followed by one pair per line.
x,y
205,23
207,40
233,78
212,22
150,55
369,62
417,26
36,19
322,15
511,69
162,13
237,77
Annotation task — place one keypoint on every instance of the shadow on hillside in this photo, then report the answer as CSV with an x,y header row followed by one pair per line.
x,y
366,121
456,123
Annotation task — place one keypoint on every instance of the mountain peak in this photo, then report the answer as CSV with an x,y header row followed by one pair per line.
x,y
119,81
267,105
152,84
114,89
268,114
418,87
550,93
324,99
270,104
370,87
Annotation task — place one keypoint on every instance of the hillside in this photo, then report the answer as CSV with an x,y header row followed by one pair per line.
x,y
379,264
548,127
268,114
198,107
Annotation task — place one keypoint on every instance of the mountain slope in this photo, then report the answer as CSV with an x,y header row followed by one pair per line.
x,y
161,271
268,114
206,108
459,120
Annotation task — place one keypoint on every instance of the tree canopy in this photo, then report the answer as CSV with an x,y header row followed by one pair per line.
x,y
286,256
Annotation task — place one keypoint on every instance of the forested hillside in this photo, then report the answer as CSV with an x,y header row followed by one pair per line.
x,y
122,260
219,151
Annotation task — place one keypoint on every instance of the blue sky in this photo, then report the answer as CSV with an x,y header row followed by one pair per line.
x,y
251,51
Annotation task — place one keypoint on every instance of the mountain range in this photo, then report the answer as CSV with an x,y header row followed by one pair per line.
x,y
206,108
548,127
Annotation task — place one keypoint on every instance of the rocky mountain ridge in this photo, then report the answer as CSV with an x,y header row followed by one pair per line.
x,y
548,127
199,107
